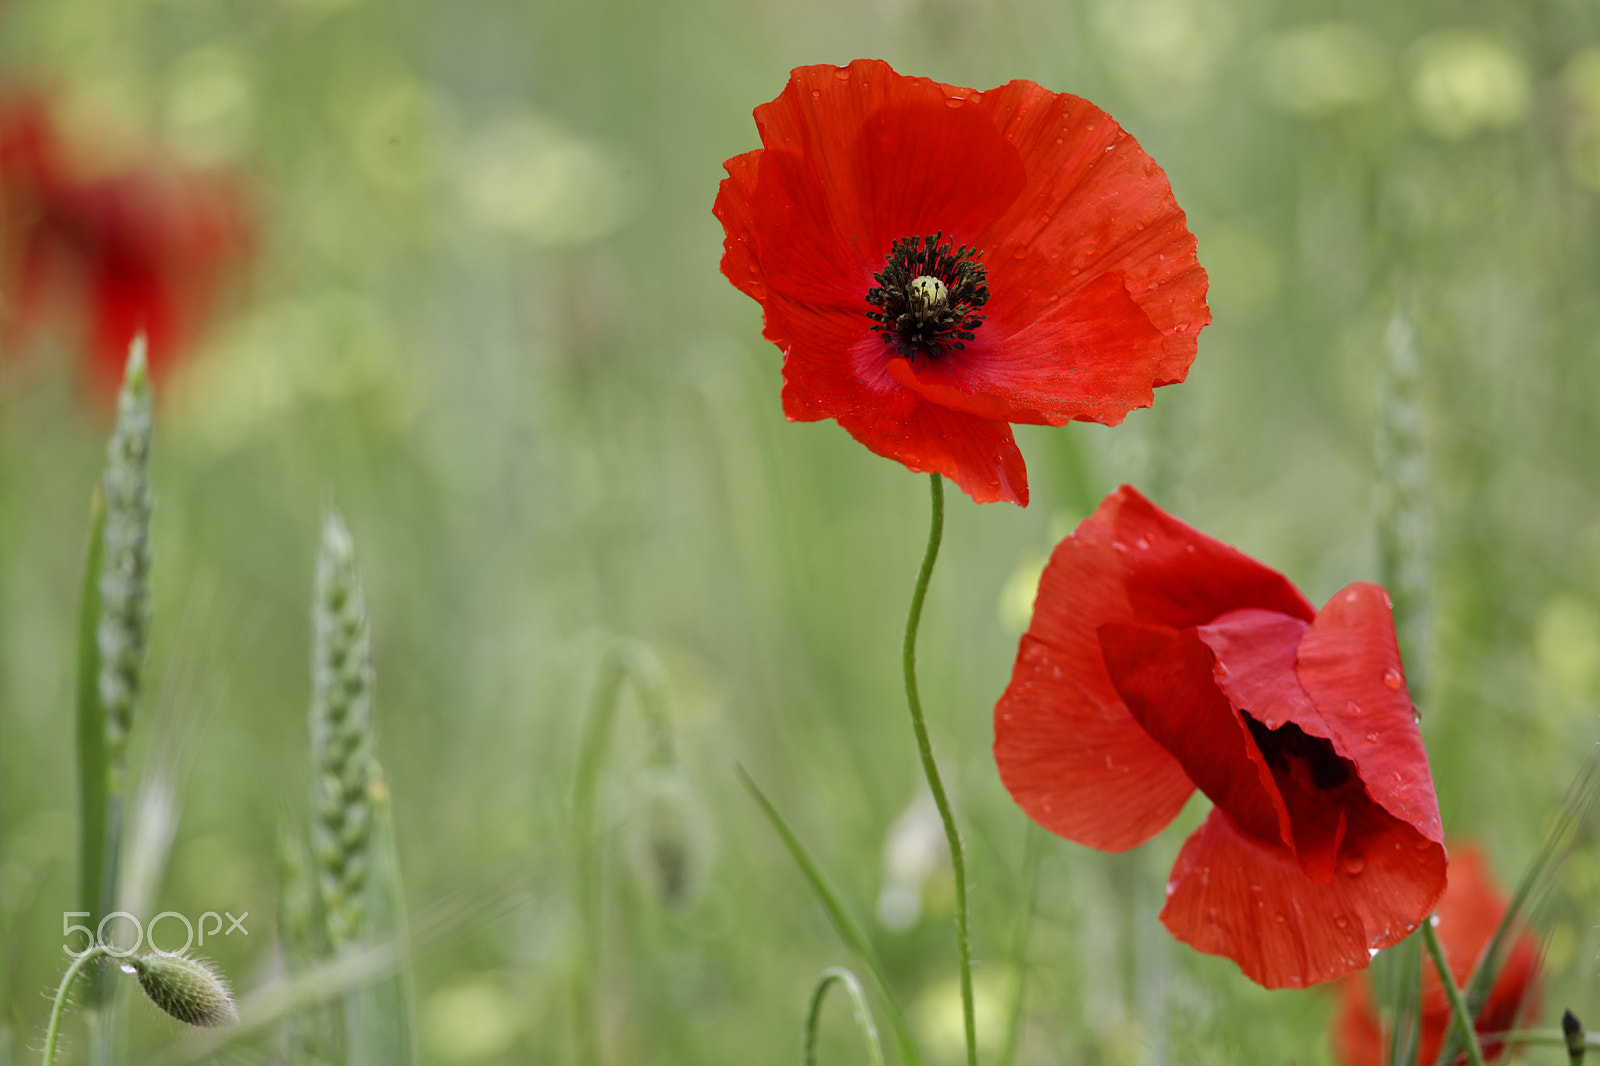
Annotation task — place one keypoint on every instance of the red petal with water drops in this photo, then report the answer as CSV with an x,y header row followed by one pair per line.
x,y
1232,895
1468,915
1068,750
1349,664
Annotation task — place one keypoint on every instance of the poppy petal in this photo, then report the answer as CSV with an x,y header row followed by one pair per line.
x,y
1090,357
1177,576
896,156
1467,916
831,371
1096,203
1164,675
1256,653
1068,750
732,209
978,454
1349,664
1231,895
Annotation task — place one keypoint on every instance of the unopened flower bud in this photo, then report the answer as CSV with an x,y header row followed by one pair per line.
x,y
188,989
670,839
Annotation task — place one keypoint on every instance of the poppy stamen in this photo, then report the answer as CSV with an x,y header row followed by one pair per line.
x,y
928,295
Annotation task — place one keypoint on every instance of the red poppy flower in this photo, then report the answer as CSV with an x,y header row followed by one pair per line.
x,y
937,263
1160,661
139,249
1468,915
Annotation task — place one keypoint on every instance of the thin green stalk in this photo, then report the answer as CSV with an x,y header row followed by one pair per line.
x,y
844,924
930,769
858,1004
1032,851
1458,1005
59,1008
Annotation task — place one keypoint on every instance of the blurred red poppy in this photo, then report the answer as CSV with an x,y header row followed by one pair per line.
x,y
1160,661
937,263
137,249
1468,915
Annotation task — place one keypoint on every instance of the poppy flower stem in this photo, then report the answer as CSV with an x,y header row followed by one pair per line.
x,y
1452,992
59,1006
930,769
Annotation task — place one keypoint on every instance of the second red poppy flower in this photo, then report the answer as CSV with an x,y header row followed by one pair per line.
x,y
1160,661
937,263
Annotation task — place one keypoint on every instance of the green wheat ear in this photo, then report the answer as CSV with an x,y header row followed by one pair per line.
x,y
188,989
341,735
125,568
113,624
1404,535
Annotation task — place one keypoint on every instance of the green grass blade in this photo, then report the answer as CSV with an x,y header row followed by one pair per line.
x,y
96,872
1577,811
1032,853
843,923
378,1016
858,1003
1397,991
93,767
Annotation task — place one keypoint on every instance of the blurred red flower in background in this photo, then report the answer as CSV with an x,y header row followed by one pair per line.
x,y
937,263
1160,661
146,247
1469,913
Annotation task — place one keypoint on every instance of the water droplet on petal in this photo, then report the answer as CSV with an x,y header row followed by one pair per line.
x,y
1144,543
1392,679
1279,918
1354,864
1342,921
1352,707
1372,953
1118,545
1372,738
1433,920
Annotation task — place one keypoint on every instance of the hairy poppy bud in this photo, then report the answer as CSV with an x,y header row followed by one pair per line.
x,y
188,989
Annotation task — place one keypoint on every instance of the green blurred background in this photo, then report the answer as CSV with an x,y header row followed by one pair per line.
x,y
486,322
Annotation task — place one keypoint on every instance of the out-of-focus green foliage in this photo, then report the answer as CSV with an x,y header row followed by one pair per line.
x,y
486,322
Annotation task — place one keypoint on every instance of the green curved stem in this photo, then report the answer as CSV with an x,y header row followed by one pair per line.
x,y
930,769
59,1007
1458,1005
858,1004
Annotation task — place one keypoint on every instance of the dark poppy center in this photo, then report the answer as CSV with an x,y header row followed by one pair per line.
x,y
928,296
1292,753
